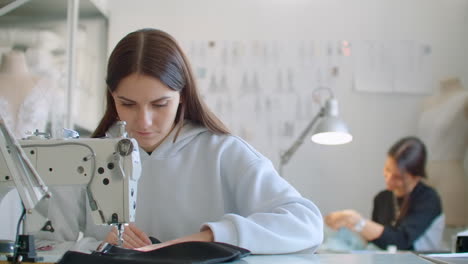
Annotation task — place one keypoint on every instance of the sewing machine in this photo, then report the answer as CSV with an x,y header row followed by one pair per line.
x,y
109,167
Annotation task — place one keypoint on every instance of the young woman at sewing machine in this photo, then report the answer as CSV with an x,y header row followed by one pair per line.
x,y
199,182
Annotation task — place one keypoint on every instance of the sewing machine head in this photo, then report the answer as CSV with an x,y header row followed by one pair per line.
x,y
109,167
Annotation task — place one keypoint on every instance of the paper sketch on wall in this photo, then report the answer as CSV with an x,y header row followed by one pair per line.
x,y
263,89
393,67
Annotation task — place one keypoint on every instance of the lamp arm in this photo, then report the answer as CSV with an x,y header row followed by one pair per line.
x,y
286,156
29,184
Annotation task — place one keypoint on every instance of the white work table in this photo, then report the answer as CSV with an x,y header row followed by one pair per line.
x,y
407,258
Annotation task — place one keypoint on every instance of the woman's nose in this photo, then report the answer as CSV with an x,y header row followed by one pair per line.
x,y
144,118
385,174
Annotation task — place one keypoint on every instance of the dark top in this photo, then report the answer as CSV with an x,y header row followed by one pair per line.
x,y
424,207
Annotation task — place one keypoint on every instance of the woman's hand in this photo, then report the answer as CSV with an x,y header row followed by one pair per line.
x,y
344,218
370,230
205,236
133,237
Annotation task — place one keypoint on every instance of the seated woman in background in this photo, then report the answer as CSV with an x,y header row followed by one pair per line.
x,y
408,214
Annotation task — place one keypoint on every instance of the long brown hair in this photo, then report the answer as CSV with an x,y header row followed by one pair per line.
x,y
155,53
410,155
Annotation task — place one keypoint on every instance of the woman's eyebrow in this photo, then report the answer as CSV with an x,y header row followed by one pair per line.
x,y
154,101
161,99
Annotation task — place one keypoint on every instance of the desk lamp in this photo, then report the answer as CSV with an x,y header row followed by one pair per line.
x,y
330,130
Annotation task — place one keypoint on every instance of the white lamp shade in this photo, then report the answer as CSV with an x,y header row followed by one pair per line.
x,y
331,131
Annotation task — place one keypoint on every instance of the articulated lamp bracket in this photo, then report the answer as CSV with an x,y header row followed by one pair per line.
x,y
330,129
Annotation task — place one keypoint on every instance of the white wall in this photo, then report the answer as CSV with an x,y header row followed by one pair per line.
x,y
341,176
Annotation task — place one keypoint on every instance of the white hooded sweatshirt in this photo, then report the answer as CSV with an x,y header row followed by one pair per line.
x,y
221,182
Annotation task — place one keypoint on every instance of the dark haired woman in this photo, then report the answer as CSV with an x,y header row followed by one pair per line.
x,y
198,182
408,214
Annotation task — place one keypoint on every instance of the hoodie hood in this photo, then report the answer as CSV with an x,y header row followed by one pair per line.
x,y
168,147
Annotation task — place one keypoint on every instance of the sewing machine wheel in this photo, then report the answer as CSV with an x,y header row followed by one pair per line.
x,y
125,147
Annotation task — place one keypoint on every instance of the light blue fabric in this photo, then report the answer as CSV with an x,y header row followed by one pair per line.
x,y
342,240
431,240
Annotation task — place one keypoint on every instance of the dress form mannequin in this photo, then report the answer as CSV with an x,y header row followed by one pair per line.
x,y
23,96
443,126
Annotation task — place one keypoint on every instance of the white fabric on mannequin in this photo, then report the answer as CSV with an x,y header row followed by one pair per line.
x,y
42,63
23,97
443,126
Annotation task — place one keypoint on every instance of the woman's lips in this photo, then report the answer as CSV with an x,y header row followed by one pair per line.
x,y
144,134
